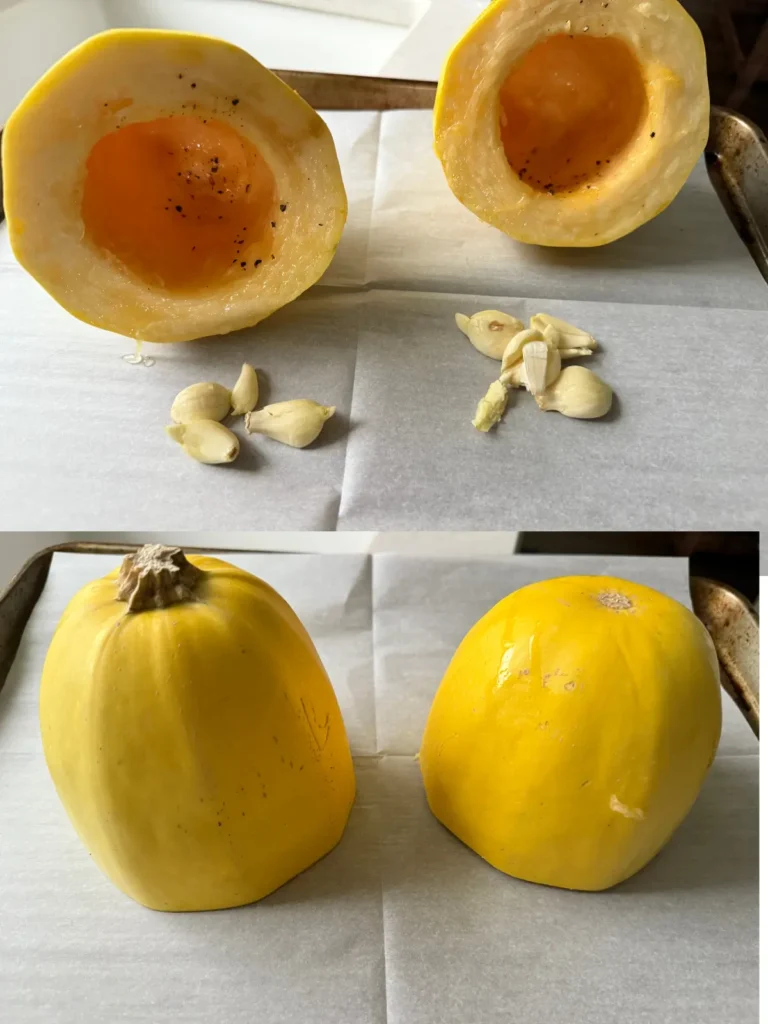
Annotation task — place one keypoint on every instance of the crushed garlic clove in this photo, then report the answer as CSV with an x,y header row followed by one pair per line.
x,y
207,441
245,393
577,393
296,423
491,407
204,401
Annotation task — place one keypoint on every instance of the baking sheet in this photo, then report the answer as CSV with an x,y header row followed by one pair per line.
x,y
401,923
678,307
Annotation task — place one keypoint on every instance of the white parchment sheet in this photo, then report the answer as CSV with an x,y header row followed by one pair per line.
x,y
401,924
679,309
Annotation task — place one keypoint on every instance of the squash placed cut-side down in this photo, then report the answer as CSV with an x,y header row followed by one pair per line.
x,y
192,733
572,123
167,186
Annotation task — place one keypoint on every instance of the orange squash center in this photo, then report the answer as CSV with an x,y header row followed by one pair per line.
x,y
180,201
569,109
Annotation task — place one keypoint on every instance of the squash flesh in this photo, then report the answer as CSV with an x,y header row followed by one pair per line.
x,y
647,171
569,109
181,201
129,76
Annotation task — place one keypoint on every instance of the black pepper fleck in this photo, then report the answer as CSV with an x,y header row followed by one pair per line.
x,y
256,263
273,223
283,207
235,102
653,135
243,264
179,209
194,85
248,188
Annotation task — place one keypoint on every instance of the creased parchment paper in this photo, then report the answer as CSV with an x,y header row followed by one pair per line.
x,y
678,307
401,923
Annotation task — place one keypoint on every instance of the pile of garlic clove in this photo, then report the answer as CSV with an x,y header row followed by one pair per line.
x,y
197,412
532,358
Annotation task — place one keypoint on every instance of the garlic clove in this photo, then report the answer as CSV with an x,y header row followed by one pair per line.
x,y
514,377
207,441
462,322
204,401
513,353
491,407
570,336
491,330
542,366
245,393
296,423
552,336
575,353
577,393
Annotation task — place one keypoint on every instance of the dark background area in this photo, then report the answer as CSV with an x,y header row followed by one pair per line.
x,y
731,558
736,32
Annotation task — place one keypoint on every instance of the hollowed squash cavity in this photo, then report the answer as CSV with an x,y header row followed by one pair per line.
x,y
572,123
167,186
183,202
569,109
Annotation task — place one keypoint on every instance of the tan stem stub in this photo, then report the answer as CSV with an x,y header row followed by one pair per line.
x,y
617,602
157,576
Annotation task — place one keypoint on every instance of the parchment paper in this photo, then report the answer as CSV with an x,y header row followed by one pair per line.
x,y
401,923
679,308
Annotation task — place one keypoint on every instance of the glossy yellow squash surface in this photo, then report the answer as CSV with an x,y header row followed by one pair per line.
x,y
198,748
573,730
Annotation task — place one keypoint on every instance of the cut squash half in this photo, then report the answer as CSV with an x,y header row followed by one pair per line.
x,y
167,186
573,123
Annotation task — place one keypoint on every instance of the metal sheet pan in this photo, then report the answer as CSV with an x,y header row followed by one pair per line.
x,y
729,618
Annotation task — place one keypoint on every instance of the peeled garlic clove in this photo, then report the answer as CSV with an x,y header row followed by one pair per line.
x,y
542,366
462,322
513,353
577,393
297,423
552,336
570,336
491,407
490,331
207,441
205,401
515,377
245,393
575,353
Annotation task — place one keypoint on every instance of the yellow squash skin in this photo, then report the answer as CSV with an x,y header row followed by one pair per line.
x,y
128,77
573,730
198,749
641,180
